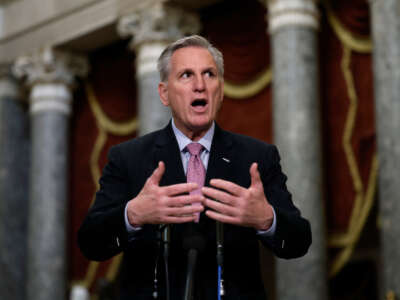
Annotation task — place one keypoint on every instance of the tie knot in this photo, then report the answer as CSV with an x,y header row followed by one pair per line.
x,y
194,148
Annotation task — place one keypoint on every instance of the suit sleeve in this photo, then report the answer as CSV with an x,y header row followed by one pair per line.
x,y
103,233
292,237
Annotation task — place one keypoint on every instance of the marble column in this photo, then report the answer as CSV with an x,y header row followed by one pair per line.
x,y
14,170
50,77
386,63
293,28
151,29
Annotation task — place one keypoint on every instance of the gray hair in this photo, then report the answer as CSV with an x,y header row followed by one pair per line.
x,y
163,63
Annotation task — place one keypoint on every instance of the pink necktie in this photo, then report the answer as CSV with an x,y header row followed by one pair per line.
x,y
195,170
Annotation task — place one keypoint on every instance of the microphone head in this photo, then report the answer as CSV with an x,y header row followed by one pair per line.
x,y
195,241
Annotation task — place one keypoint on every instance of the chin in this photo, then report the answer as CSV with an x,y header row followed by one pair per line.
x,y
202,124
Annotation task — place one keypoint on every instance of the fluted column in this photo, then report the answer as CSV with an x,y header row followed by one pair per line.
x,y
151,29
14,170
293,28
386,62
50,77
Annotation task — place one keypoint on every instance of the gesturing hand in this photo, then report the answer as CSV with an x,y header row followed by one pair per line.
x,y
237,205
163,204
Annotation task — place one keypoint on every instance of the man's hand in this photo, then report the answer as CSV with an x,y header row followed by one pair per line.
x,y
165,204
237,205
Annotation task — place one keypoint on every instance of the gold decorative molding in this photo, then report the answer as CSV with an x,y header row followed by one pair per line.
x,y
103,121
114,267
105,126
250,89
390,296
358,43
90,274
364,199
348,240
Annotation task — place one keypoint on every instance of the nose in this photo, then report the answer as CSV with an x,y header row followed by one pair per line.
x,y
199,84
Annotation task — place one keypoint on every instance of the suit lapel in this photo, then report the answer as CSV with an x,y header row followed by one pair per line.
x,y
167,150
220,165
220,161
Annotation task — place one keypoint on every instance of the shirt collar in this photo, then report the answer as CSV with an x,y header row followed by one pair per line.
x,y
183,140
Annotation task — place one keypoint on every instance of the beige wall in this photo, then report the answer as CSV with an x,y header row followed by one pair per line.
x,y
81,25
21,15
27,25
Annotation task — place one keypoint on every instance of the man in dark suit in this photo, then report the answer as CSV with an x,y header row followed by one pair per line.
x,y
144,184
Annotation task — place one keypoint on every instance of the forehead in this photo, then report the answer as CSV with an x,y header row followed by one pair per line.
x,y
191,58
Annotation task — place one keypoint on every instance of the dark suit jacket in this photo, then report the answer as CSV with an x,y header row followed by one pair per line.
x,y
103,233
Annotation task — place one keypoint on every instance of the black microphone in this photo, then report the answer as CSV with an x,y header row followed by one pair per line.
x,y
194,243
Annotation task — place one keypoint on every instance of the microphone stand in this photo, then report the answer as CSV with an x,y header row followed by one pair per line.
x,y
220,259
166,237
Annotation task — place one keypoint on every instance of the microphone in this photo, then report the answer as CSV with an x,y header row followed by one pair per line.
x,y
194,244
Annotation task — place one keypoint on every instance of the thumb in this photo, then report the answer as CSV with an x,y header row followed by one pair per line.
x,y
254,175
158,173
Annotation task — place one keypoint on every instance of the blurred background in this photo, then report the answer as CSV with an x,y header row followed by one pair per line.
x,y
320,79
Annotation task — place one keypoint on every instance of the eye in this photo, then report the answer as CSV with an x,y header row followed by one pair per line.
x,y
186,74
209,73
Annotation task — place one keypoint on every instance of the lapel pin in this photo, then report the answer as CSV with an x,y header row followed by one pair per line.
x,y
227,160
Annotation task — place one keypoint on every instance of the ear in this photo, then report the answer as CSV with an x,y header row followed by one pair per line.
x,y
163,92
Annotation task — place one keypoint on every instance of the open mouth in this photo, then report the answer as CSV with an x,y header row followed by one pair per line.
x,y
199,103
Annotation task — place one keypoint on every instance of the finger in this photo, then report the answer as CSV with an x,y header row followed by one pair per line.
x,y
180,188
179,219
221,218
220,207
157,173
254,174
184,210
179,201
228,186
218,195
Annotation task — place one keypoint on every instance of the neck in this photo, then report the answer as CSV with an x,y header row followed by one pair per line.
x,y
194,134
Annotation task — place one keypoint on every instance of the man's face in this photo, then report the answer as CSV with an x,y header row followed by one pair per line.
x,y
194,90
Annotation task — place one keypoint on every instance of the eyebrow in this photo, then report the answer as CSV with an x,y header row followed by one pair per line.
x,y
210,69
185,70
188,69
